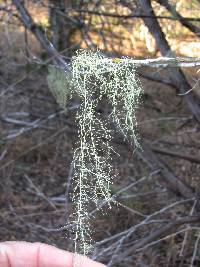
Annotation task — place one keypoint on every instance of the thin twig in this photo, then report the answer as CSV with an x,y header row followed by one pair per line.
x,y
113,15
177,155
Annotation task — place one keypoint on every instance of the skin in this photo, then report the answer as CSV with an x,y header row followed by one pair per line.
x,y
24,254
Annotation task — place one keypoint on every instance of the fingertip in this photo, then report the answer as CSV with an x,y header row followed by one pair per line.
x,y
83,261
20,253
16,253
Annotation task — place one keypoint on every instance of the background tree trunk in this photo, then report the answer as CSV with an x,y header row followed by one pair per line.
x,y
60,24
176,75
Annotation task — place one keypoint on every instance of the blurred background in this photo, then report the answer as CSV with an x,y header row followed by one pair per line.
x,y
156,221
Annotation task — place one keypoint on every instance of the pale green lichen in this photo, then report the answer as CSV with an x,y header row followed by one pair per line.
x,y
59,85
93,77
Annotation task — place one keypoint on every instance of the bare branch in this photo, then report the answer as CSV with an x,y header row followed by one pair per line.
x,y
140,15
176,155
39,34
182,20
159,62
155,164
175,183
156,77
162,231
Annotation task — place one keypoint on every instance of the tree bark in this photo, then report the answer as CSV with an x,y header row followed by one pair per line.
x,y
176,75
60,23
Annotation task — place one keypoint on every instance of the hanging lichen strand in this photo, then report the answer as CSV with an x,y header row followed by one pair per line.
x,y
94,77
92,171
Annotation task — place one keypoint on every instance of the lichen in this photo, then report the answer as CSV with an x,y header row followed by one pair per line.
x,y
93,77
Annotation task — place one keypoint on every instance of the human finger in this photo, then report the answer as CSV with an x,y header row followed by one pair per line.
x,y
24,254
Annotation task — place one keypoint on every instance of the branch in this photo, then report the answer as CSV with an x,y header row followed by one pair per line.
x,y
156,62
177,155
156,77
39,34
182,20
5,9
162,231
106,14
173,182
